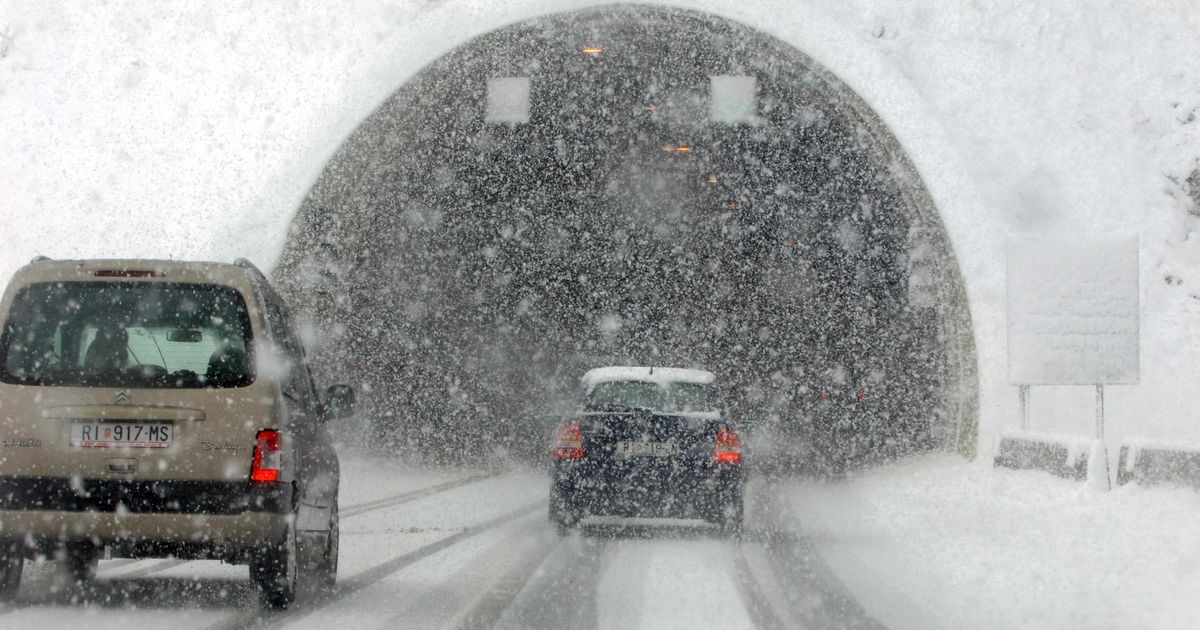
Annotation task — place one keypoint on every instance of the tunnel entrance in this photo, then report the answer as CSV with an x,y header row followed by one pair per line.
x,y
642,186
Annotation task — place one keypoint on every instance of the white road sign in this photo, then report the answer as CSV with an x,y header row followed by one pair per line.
x,y
1073,311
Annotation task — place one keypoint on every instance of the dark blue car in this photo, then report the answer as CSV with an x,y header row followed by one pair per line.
x,y
647,442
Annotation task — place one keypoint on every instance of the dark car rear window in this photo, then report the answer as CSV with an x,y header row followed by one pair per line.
x,y
127,334
620,395
693,397
677,397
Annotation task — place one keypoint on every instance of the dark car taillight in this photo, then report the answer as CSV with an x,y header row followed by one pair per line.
x,y
268,457
729,447
568,441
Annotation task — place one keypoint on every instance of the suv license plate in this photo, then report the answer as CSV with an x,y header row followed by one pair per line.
x,y
628,449
130,434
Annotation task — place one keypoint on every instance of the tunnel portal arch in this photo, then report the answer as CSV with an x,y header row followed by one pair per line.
x,y
462,268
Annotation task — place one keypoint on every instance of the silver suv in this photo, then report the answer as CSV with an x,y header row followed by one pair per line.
x,y
162,408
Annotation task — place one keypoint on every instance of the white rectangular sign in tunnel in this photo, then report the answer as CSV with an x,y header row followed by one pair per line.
x,y
507,100
1073,311
732,99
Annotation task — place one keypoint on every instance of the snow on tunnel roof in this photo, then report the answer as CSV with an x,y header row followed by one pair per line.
x,y
660,375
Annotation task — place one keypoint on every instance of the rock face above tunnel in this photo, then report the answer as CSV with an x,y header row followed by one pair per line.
x,y
470,269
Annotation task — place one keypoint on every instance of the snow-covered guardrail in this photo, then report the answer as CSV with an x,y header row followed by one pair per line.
x,y
1067,456
1151,462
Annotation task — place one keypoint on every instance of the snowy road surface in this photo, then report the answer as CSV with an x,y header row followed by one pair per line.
x,y
473,549
930,542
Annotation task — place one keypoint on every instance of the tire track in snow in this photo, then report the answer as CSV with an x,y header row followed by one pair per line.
x,y
488,609
564,591
412,495
101,588
92,590
815,597
154,568
346,513
360,581
758,606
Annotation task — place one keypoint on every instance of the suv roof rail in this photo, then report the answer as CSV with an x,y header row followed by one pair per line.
x,y
39,258
257,277
245,263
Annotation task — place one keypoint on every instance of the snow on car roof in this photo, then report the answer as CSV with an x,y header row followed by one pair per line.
x,y
660,375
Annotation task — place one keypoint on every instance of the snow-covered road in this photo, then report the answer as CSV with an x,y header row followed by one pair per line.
x,y
473,549
929,542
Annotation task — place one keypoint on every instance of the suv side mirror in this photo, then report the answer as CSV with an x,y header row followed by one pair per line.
x,y
339,402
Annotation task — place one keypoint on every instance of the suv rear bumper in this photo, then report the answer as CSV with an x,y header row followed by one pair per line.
x,y
200,514
233,531
58,494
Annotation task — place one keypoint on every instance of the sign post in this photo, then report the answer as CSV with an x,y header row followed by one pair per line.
x,y
1023,393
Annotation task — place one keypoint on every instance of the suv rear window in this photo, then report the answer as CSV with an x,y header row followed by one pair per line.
x,y
127,334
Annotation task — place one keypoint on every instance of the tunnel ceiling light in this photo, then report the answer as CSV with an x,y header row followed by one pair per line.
x,y
677,148
593,51
712,180
653,109
731,205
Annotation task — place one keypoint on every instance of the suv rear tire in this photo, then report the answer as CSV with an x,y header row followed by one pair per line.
x,y
276,569
81,561
562,516
328,565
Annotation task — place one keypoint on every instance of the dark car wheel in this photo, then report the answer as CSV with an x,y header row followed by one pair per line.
x,y
727,515
563,516
730,520
275,568
12,561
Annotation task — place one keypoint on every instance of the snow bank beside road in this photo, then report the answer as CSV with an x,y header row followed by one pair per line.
x,y
938,543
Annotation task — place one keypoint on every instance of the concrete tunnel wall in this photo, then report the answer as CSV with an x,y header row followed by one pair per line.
x,y
846,81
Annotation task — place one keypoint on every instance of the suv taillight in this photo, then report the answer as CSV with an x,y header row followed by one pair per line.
x,y
268,457
729,447
568,441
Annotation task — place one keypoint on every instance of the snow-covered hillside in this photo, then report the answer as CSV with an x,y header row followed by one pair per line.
x,y
142,129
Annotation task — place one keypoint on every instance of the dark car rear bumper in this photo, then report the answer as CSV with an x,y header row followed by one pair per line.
x,y
583,489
